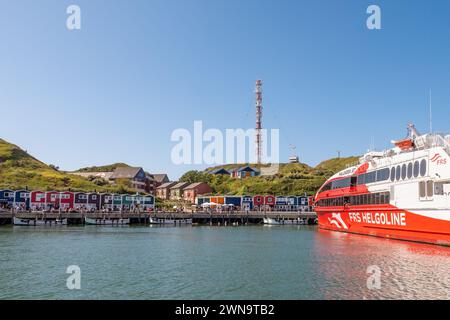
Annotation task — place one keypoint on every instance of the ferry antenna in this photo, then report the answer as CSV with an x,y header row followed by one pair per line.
x,y
431,114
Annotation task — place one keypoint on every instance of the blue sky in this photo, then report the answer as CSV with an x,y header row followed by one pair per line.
x,y
116,89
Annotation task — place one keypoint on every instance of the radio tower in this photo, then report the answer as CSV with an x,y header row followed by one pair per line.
x,y
258,128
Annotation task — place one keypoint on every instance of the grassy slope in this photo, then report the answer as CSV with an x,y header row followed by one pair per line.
x,y
291,179
19,170
107,168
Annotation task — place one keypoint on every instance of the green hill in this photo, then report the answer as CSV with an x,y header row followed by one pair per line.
x,y
291,179
20,170
107,168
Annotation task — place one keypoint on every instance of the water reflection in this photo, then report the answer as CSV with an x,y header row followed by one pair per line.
x,y
408,270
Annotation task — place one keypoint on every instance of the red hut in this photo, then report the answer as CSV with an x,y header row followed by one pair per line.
x,y
52,199
37,200
67,199
269,200
258,201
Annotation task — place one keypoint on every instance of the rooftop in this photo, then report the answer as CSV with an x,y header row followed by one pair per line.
x,y
180,185
125,172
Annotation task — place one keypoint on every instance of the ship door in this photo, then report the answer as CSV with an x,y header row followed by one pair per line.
x,y
353,181
426,190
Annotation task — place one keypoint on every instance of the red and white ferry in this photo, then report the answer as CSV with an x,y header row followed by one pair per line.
x,y
402,193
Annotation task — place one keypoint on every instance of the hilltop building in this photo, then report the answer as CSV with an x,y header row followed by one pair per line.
x,y
245,172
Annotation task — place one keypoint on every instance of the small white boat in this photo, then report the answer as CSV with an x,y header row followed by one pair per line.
x,y
36,222
277,222
172,222
106,222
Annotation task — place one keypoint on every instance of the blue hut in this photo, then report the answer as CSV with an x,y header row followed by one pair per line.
x,y
283,203
220,171
302,201
293,200
6,198
247,203
148,202
245,172
22,199
234,200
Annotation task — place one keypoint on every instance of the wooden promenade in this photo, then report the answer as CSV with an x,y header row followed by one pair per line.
x,y
240,217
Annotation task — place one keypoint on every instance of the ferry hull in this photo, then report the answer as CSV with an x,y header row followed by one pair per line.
x,y
390,223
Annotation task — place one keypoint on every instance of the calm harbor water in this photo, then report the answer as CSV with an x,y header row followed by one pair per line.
x,y
251,262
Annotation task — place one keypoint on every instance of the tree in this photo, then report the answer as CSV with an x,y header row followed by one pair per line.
x,y
194,176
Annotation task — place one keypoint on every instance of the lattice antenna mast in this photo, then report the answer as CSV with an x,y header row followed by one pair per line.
x,y
258,93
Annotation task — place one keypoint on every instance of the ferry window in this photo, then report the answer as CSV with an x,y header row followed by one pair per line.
x,y
416,169
410,170
343,183
439,189
393,174
423,167
327,187
388,197
383,174
404,172
346,200
377,198
370,177
422,193
430,187
361,179
366,199
397,173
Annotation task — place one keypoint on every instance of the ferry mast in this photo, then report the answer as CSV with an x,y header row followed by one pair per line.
x,y
258,93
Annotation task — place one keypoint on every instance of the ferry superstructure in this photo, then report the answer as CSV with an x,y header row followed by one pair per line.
x,y
401,193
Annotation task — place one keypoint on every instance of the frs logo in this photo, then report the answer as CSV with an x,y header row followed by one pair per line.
x,y
337,221
438,159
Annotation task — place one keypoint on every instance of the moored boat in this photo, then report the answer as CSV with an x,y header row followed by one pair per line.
x,y
37,222
172,222
272,221
106,222
401,193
